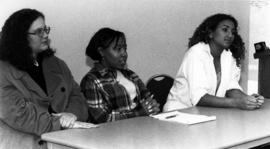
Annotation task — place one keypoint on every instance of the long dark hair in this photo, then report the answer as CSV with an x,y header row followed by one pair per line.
x,y
102,38
209,25
14,45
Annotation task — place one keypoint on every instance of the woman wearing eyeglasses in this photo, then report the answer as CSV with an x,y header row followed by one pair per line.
x,y
37,91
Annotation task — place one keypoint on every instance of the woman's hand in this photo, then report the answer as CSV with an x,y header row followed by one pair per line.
x,y
249,102
149,106
259,99
67,120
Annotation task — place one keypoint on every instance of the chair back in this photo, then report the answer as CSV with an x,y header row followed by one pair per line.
x,y
159,86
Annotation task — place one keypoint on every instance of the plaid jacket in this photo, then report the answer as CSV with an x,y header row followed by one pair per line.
x,y
107,99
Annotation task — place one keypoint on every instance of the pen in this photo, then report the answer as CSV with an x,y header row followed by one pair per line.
x,y
171,116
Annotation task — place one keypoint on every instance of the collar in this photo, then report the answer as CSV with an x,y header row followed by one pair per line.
x,y
100,69
103,70
208,51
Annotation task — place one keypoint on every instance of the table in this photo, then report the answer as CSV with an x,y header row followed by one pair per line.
x,y
233,128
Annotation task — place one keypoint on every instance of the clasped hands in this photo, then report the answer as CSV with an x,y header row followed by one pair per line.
x,y
251,102
149,106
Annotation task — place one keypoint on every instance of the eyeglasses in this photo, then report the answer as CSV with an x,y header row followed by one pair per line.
x,y
40,31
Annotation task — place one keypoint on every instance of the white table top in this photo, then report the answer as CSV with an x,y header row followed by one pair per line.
x,y
233,128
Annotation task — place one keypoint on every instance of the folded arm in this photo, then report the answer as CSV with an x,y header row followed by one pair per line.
x,y
23,115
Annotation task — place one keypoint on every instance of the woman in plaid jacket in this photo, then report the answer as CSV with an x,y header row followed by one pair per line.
x,y
114,92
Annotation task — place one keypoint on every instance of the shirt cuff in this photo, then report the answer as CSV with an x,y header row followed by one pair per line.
x,y
196,97
56,124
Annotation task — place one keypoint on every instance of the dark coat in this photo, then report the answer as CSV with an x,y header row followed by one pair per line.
x,y
24,105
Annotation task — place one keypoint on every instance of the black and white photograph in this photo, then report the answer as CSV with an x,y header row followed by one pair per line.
x,y
134,74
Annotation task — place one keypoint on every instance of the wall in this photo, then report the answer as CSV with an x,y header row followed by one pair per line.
x,y
258,31
157,31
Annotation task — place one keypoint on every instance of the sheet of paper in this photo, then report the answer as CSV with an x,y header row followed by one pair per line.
x,y
185,118
84,125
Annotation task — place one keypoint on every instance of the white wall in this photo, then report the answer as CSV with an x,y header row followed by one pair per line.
x,y
157,31
259,31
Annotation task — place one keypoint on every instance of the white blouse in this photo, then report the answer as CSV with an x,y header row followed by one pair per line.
x,y
129,86
197,77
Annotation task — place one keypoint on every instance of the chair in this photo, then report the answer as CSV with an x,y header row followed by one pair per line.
x,y
160,85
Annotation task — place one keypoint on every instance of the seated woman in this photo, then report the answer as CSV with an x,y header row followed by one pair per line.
x,y
113,92
37,91
210,70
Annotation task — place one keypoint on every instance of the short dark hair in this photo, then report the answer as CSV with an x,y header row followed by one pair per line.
x,y
102,38
210,24
14,45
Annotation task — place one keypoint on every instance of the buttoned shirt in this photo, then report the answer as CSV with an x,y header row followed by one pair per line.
x,y
107,99
197,77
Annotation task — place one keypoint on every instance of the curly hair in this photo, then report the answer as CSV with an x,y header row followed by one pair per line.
x,y
209,25
102,38
14,44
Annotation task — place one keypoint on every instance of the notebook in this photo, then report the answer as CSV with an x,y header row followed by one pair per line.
x,y
184,118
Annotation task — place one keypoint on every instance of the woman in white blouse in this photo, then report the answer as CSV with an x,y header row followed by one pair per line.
x,y
210,70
